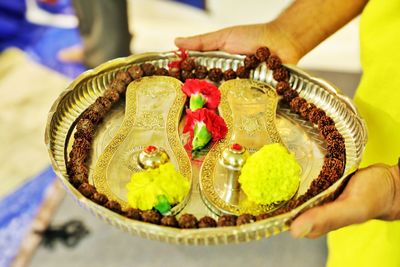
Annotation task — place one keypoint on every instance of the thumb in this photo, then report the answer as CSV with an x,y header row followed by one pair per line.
x,y
202,42
321,220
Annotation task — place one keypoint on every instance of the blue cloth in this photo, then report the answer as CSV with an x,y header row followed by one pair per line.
x,y
196,3
14,28
50,41
17,211
56,6
42,43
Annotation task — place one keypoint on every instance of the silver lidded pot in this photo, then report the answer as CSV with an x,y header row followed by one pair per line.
x,y
233,158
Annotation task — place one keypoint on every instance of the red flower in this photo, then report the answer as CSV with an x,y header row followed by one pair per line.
x,y
182,55
204,89
214,124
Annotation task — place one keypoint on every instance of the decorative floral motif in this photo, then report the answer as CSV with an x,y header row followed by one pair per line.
x,y
203,125
202,94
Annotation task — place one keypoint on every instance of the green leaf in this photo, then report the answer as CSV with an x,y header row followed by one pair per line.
x,y
197,101
162,205
201,136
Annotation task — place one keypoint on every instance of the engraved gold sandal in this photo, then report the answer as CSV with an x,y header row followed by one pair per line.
x,y
249,110
153,111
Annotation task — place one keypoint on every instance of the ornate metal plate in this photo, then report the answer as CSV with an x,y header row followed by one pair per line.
x,y
298,136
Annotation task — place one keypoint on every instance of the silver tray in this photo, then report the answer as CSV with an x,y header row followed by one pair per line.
x,y
299,136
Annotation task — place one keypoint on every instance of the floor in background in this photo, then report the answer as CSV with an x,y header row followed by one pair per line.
x,y
107,246
25,100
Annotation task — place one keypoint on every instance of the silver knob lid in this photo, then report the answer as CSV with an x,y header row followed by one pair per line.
x,y
234,157
152,157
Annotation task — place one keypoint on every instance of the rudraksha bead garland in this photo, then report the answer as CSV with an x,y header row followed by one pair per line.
x,y
77,168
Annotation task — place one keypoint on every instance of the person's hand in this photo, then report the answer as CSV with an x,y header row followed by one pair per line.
x,y
297,30
245,40
372,193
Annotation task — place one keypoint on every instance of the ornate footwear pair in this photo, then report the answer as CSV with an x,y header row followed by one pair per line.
x,y
152,123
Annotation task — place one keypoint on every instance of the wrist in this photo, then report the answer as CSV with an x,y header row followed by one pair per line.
x,y
282,42
395,174
306,23
301,31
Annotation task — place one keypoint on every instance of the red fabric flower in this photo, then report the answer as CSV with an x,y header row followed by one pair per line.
x,y
182,55
208,91
214,123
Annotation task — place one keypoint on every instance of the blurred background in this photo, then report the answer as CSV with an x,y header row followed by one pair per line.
x,y
44,44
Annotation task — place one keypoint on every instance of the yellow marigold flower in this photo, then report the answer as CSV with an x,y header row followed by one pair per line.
x,y
146,186
270,175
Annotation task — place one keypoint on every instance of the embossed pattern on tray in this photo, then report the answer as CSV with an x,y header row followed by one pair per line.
x,y
88,86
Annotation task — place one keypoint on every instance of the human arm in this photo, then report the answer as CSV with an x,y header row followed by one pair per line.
x,y
296,31
372,193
